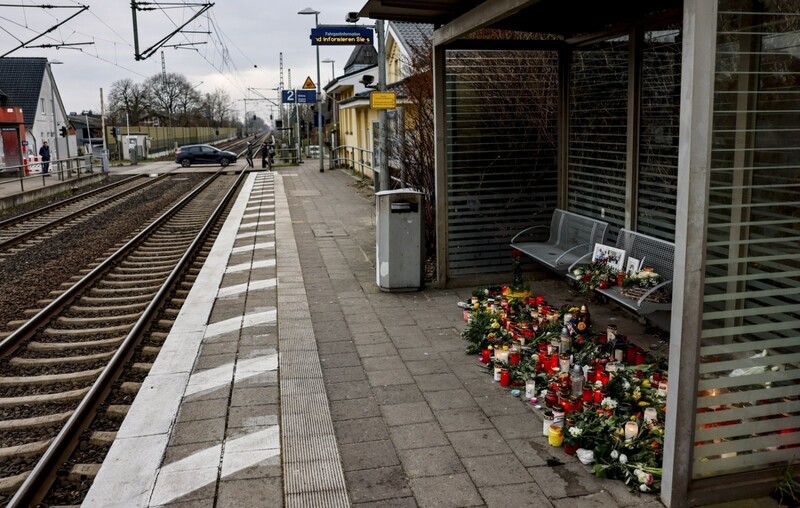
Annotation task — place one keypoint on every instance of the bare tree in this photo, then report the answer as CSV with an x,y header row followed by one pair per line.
x,y
168,92
217,107
127,97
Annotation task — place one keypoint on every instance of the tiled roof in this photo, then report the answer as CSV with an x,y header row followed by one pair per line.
x,y
412,34
362,56
21,80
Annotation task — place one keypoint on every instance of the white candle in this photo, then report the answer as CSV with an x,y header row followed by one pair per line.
x,y
530,389
497,370
631,430
650,415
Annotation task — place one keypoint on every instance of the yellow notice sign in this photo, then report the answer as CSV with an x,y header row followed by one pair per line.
x,y
309,85
383,100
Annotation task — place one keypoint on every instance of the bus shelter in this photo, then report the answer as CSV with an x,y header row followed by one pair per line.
x,y
677,119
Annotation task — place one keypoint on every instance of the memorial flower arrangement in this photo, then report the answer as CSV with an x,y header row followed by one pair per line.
x,y
597,274
611,393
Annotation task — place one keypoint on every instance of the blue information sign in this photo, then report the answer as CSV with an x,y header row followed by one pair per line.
x,y
341,36
299,96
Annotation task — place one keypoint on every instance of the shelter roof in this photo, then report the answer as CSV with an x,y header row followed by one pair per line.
x,y
565,18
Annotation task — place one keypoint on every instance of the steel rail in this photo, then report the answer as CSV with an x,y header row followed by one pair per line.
x,y
53,206
41,477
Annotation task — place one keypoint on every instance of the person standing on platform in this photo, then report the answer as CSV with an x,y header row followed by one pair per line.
x,y
264,155
249,154
44,153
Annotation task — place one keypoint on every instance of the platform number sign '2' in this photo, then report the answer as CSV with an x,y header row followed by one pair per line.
x,y
299,96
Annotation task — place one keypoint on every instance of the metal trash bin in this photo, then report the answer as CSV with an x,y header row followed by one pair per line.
x,y
400,240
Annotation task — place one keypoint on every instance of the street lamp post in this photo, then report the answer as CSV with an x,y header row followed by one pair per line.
x,y
320,126
331,61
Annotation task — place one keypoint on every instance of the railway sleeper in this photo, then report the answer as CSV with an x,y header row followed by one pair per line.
x,y
130,388
142,367
165,323
80,472
13,483
49,379
182,292
118,411
84,331
134,285
61,346
80,320
80,309
158,336
145,275
39,362
150,350
101,438
25,450
44,398
34,422
103,300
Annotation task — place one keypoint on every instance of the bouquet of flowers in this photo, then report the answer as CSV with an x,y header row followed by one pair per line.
x,y
597,274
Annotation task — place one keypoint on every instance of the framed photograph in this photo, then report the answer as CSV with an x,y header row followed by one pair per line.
x,y
633,265
612,256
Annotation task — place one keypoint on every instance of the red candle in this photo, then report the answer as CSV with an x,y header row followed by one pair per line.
x,y
553,362
641,357
604,377
486,355
539,300
588,395
630,355
505,377
513,357
602,338
598,396
591,375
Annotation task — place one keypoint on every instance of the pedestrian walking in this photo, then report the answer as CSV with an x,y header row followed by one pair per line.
x,y
264,155
44,153
249,154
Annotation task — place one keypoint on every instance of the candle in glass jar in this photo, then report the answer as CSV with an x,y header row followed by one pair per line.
x,y
631,430
563,362
650,415
497,371
530,388
611,333
547,418
505,377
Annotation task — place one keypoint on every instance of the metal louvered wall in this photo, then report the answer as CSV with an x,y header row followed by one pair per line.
x,y
598,132
501,132
749,389
658,139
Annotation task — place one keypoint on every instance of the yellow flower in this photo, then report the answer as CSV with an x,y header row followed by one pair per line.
x,y
643,403
646,383
495,325
475,306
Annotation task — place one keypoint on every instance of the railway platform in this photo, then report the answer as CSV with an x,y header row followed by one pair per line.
x,y
290,379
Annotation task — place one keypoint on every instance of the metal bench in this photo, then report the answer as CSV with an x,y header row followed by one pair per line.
x,y
572,236
653,252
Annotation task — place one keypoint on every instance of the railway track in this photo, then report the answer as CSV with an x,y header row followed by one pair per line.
x,y
16,230
59,366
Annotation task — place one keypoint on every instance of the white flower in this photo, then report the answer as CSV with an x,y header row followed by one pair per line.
x,y
608,403
623,458
614,454
598,384
575,431
644,488
626,385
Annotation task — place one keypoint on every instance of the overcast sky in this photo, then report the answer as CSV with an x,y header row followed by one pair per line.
x,y
243,50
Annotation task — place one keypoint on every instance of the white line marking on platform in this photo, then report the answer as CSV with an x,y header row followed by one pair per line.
x,y
251,234
264,263
212,379
242,288
256,215
248,248
256,224
237,323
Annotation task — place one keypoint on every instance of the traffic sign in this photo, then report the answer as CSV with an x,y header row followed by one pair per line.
x,y
309,85
299,96
383,100
341,36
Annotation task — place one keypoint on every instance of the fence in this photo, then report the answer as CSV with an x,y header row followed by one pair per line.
x,y
60,170
164,139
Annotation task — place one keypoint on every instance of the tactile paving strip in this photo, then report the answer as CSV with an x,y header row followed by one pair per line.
x,y
312,468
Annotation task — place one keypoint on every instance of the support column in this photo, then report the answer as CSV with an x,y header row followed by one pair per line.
x,y
440,159
635,43
694,159
564,70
